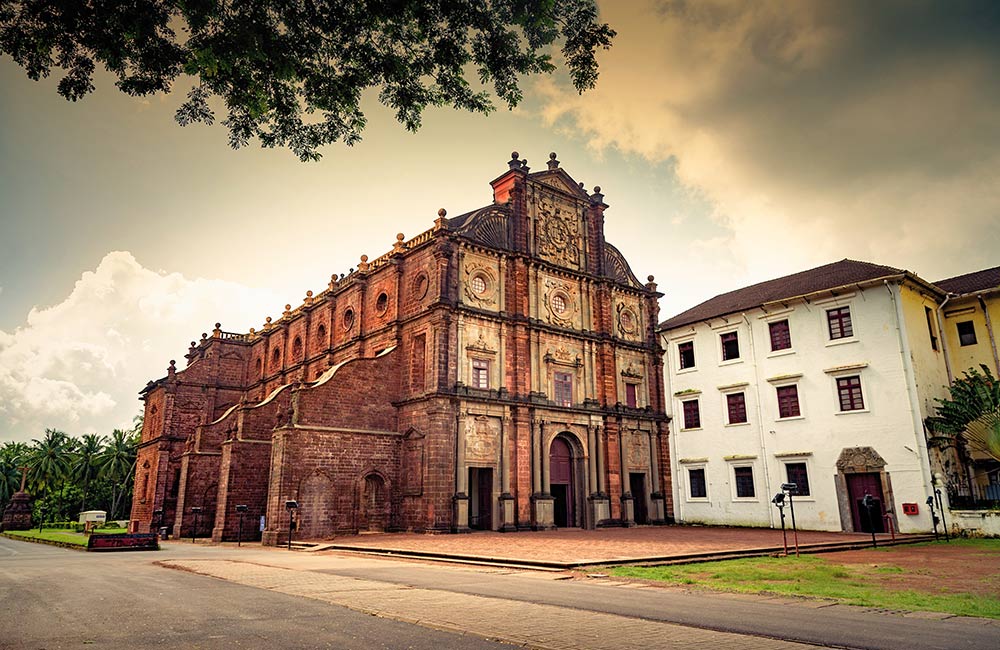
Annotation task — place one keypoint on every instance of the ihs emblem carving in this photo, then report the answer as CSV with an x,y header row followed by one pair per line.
x,y
558,231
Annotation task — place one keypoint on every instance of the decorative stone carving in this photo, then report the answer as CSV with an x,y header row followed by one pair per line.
x,y
628,320
858,460
564,356
558,227
631,372
637,449
481,345
482,438
480,284
561,304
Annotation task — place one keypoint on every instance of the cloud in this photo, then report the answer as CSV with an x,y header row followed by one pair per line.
x,y
78,365
814,130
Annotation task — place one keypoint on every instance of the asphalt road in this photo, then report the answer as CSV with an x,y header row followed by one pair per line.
x,y
55,598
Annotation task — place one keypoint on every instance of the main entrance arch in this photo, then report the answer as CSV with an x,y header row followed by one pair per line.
x,y
567,486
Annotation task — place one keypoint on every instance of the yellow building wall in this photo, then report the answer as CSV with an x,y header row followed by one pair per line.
x,y
964,357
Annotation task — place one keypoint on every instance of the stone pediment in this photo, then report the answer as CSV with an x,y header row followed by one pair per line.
x,y
560,180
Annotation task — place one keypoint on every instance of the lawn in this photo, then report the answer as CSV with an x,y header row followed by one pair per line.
x,y
898,579
65,536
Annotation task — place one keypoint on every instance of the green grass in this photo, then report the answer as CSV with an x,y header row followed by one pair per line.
x,y
814,576
62,535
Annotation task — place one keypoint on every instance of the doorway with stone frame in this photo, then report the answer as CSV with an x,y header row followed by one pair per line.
x,y
860,471
568,481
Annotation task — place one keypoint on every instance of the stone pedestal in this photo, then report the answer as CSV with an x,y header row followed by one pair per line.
x,y
508,509
600,509
628,511
460,513
658,515
17,514
542,512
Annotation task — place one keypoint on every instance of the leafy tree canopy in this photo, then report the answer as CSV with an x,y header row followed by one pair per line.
x,y
291,73
972,412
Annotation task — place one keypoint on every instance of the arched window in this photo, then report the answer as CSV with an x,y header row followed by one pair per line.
x,y
321,336
297,349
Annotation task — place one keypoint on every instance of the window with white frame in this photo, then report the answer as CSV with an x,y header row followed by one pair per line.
x,y
697,487
838,321
966,333
730,342
849,393
685,354
780,334
743,485
692,414
788,401
797,472
480,373
736,408
631,395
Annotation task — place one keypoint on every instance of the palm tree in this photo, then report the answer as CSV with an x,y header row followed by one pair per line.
x,y
972,414
85,461
49,460
117,465
12,457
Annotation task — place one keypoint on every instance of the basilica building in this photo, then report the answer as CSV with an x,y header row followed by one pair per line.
x,y
500,371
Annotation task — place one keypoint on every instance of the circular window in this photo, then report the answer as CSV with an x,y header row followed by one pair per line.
x,y
348,318
479,285
382,303
558,303
627,320
420,286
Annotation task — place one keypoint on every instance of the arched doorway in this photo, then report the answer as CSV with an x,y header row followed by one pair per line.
x,y
374,510
565,483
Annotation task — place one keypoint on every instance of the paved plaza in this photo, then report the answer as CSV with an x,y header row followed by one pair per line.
x,y
574,547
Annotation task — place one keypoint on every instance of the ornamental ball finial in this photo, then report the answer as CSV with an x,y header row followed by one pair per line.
x,y
650,278
400,236
552,156
443,213
218,325
514,155
364,258
597,189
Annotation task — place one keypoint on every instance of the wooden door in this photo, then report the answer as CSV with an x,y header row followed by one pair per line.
x,y
858,485
561,482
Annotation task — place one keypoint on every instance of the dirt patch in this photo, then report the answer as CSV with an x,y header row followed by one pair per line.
x,y
942,568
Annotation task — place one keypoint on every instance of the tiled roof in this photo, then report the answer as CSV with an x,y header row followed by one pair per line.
x,y
829,276
972,282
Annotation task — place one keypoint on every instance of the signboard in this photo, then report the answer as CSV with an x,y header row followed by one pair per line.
x,y
130,542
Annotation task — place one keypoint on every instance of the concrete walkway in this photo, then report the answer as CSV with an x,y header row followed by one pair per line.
x,y
546,627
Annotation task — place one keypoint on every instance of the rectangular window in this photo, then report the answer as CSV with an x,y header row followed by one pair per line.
x,y
480,373
730,346
692,416
744,482
788,402
737,406
563,382
839,322
849,391
686,352
930,327
966,333
797,474
781,337
696,479
630,395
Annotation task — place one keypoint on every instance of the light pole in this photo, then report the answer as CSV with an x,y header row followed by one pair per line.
x,y
868,501
791,488
239,537
779,500
291,505
197,519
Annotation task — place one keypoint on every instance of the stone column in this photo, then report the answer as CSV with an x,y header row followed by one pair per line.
x,y
658,516
461,499
543,515
591,460
507,504
536,459
602,463
546,460
628,504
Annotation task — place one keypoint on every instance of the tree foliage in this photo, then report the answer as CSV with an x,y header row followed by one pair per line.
x,y
972,413
67,475
291,73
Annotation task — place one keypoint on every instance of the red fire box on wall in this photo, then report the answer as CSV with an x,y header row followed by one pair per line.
x,y
910,509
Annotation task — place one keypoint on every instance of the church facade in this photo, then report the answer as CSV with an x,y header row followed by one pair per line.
x,y
499,371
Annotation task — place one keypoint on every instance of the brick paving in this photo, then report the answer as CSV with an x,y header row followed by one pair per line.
x,y
583,546
546,627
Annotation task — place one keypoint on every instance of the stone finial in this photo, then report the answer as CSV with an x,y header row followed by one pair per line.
x,y
267,323
217,332
441,223
309,298
524,165
553,163
204,337
515,160
399,246
287,312
252,332
650,283
192,347
363,265
333,282
172,368
581,186
597,197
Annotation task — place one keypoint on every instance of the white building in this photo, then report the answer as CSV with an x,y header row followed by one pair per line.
x,y
822,378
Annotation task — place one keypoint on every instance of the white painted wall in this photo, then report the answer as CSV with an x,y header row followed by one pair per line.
x,y
878,352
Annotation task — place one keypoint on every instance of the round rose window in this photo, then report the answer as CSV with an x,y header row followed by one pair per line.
x,y
479,285
558,304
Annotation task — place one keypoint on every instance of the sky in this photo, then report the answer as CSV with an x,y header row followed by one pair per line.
x,y
734,142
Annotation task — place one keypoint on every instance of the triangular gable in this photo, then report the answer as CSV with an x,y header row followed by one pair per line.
x,y
560,180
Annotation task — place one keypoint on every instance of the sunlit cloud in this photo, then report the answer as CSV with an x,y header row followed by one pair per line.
x,y
78,365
